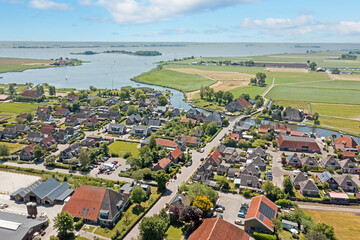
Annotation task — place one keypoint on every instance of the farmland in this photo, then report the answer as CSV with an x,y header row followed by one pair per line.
x,y
345,224
11,110
337,110
20,65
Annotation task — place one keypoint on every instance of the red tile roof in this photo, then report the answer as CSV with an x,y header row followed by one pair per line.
x,y
176,153
348,154
188,139
348,142
254,211
30,93
234,136
243,103
61,111
216,156
263,128
166,143
164,162
49,141
43,109
47,129
218,229
295,133
296,143
186,120
85,202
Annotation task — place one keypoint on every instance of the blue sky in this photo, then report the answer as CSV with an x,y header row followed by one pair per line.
x,y
181,20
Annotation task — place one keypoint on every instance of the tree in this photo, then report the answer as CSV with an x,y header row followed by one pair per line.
x,y
201,92
161,178
198,189
153,228
152,142
162,100
228,97
191,214
246,192
138,92
137,195
52,90
4,150
268,186
63,222
313,66
114,108
304,168
203,203
12,90
38,151
253,81
211,128
137,175
29,117
174,212
40,89
324,229
315,236
288,186
260,77
218,95
335,71
84,157
142,96
258,120
326,186
245,96
132,109
96,101
123,95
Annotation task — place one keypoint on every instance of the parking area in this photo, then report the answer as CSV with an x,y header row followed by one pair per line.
x,y
10,182
119,165
232,204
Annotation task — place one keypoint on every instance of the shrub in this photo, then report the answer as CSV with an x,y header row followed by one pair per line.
x,y
127,155
263,236
79,224
246,192
339,171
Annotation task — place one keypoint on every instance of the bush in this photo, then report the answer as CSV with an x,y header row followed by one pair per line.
x,y
263,236
79,224
127,155
246,192
114,154
339,171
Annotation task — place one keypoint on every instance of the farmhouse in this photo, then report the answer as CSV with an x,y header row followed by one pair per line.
x,y
96,205
344,142
260,215
238,105
31,93
298,144
293,114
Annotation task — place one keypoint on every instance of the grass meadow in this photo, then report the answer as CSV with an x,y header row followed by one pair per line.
x,y
121,147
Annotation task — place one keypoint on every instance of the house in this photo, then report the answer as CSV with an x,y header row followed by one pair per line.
x,y
298,144
310,162
203,172
71,121
82,116
229,154
175,155
214,117
29,93
133,119
218,229
346,183
339,198
91,121
193,113
349,154
293,114
296,177
260,215
257,152
288,225
198,132
64,112
247,181
47,130
263,128
259,162
327,177
191,141
251,169
35,137
69,153
46,110
116,128
97,205
344,142
72,98
176,112
20,227
61,136
27,153
309,189
46,118
114,114
10,132
234,136
233,172
111,101
140,131
238,105
181,200
22,128
294,160
154,123
4,97
49,192
127,188
347,166
48,142
214,158
331,162
187,120
163,164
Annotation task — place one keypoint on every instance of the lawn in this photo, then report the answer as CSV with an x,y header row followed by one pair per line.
x,y
175,231
337,84
336,110
167,78
345,125
292,104
121,147
14,109
286,235
14,147
251,90
345,224
331,95
20,68
134,215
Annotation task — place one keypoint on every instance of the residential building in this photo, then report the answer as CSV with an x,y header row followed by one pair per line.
x,y
180,200
175,155
238,105
140,131
247,181
298,144
163,164
63,112
331,162
71,121
35,137
91,121
344,142
47,130
69,153
309,189
29,93
46,110
293,114
191,141
214,117
347,166
339,198
22,128
260,215
327,177
45,118
214,158
48,142
27,153
133,119
9,132
116,128
346,183
296,177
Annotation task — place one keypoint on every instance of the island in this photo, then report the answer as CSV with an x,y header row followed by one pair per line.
x,y
136,53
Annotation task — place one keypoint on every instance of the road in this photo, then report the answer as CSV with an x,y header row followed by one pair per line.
x,y
186,173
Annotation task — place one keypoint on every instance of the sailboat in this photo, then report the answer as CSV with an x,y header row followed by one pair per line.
x,y
66,77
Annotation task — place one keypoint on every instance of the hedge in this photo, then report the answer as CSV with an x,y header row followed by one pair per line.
x,y
264,236
79,224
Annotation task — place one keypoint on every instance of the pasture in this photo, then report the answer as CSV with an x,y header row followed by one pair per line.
x,y
14,109
336,110
121,147
13,147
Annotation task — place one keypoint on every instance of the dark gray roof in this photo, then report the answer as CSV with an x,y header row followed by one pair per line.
x,y
23,191
111,202
60,190
302,139
46,187
308,185
27,224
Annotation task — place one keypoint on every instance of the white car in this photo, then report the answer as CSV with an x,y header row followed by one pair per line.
x,y
279,160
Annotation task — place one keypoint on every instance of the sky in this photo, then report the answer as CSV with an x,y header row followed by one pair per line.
x,y
181,20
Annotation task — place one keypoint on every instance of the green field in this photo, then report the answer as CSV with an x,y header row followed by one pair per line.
x,y
11,110
345,224
20,68
167,78
336,110
345,125
311,94
14,147
121,147
292,104
251,90
175,231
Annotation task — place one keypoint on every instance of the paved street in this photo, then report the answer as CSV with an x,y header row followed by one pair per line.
x,y
186,173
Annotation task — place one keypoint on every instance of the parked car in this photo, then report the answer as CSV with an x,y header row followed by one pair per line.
x,y
242,214
219,206
239,222
245,205
189,163
220,210
279,160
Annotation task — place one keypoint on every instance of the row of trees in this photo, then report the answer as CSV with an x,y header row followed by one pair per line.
x,y
209,94
259,80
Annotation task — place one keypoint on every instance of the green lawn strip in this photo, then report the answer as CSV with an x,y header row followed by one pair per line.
x,y
251,90
292,104
135,216
314,94
175,231
337,84
336,110
20,68
348,126
14,147
167,78
15,109
121,147
286,235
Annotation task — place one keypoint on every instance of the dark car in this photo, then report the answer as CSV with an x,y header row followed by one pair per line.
x,y
219,206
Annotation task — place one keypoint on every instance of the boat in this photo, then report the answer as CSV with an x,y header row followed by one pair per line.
x,y
66,77
1,77
291,123
301,125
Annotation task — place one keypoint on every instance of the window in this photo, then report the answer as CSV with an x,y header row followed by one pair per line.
x,y
261,217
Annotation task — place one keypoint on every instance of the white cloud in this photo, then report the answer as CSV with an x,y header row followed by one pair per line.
x,y
300,26
47,4
147,11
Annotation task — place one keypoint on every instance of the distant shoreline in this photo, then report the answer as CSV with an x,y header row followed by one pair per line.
x,y
137,53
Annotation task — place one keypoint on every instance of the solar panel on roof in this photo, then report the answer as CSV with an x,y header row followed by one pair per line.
x,y
87,211
82,212
267,211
